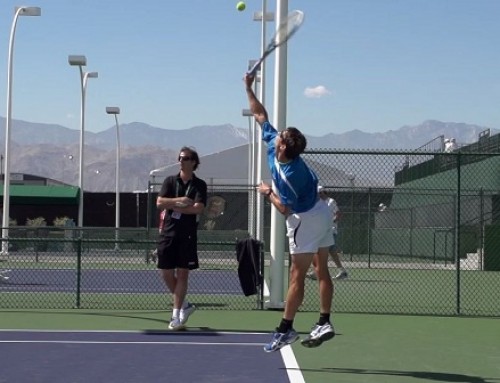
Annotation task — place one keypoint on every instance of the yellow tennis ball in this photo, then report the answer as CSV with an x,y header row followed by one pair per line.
x,y
241,6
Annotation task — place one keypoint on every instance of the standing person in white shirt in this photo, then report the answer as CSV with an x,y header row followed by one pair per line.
x,y
450,145
334,250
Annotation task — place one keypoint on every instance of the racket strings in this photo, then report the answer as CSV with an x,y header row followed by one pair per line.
x,y
288,27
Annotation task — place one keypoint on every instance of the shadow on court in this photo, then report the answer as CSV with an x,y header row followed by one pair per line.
x,y
424,375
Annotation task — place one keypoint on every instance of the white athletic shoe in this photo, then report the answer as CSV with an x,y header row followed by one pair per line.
x,y
312,275
185,313
175,324
280,340
341,275
318,335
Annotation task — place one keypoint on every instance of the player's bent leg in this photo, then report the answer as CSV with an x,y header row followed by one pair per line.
x,y
295,294
325,282
322,331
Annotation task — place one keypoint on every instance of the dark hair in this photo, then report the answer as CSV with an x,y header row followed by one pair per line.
x,y
295,142
192,153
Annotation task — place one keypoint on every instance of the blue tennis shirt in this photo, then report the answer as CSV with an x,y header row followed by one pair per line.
x,y
300,194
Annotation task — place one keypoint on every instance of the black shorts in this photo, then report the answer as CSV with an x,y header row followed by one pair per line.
x,y
178,252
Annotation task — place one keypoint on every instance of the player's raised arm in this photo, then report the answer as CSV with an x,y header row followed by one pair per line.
x,y
256,106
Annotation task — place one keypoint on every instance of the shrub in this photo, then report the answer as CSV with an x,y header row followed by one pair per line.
x,y
36,222
60,221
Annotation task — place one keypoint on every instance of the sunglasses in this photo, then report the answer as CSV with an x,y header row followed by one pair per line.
x,y
186,158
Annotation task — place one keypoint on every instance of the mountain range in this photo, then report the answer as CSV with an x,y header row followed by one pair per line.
x,y
52,151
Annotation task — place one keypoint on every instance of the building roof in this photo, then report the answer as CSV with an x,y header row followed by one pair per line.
x,y
43,195
228,167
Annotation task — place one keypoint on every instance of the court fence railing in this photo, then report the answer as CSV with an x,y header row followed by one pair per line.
x,y
98,269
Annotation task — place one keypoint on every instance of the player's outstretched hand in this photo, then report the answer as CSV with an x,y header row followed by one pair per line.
x,y
248,79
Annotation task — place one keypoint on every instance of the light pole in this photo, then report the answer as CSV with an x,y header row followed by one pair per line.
x,y
19,11
116,111
81,61
251,174
351,177
137,205
264,17
277,240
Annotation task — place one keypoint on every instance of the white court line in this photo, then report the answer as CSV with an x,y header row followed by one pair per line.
x,y
147,332
132,342
292,367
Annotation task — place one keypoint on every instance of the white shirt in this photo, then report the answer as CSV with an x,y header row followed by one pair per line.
x,y
332,206
450,146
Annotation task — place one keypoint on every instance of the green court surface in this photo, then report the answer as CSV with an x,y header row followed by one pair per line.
x,y
368,348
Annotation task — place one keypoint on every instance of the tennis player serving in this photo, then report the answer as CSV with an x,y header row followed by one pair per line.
x,y
308,224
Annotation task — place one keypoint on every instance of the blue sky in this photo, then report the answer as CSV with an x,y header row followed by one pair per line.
x,y
373,65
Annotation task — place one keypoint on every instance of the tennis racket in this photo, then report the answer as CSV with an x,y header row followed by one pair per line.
x,y
285,30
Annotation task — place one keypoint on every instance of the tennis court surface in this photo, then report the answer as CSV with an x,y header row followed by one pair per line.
x,y
226,346
144,356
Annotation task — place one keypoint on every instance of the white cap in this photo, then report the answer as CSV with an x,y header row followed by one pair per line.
x,y
320,188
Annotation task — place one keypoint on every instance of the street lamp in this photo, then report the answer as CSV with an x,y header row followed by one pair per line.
x,y
116,111
251,170
81,61
263,17
351,177
18,11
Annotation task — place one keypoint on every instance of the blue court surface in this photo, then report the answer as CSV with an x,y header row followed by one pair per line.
x,y
116,281
147,356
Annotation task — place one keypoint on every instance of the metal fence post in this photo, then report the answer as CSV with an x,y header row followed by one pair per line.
x,y
457,231
369,236
78,271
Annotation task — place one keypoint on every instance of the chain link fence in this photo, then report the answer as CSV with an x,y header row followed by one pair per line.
x,y
108,269
419,233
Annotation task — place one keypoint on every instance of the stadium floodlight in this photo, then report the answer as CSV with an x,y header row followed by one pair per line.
x,y
18,11
80,61
114,110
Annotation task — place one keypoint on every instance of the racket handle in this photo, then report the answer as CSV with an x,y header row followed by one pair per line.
x,y
255,67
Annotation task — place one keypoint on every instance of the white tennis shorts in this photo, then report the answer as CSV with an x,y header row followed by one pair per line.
x,y
309,231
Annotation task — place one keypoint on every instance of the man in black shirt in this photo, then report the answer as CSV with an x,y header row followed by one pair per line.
x,y
184,197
